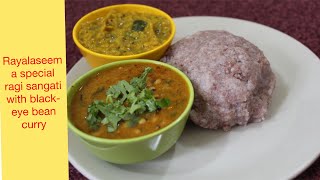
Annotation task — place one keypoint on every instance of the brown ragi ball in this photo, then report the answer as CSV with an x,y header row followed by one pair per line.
x,y
233,80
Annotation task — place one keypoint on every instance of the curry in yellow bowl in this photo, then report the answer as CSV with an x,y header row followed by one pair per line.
x,y
124,32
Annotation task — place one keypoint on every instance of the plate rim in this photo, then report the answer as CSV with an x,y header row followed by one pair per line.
x,y
294,174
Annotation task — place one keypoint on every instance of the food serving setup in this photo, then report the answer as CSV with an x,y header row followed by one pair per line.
x,y
130,97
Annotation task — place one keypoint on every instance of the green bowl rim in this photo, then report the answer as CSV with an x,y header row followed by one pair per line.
x,y
135,139
134,56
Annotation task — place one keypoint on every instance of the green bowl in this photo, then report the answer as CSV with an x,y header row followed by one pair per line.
x,y
138,149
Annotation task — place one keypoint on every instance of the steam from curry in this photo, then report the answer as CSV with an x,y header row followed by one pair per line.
x,y
124,33
164,83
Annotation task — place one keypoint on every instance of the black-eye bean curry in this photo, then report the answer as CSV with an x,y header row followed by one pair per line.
x,y
129,101
124,33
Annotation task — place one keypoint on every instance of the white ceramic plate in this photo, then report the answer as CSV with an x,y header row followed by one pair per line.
x,y
278,148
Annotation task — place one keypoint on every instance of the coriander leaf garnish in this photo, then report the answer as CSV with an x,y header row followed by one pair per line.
x,y
125,102
163,102
140,82
94,115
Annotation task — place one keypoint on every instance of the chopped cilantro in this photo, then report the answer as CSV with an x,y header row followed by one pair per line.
x,y
124,101
163,102
94,115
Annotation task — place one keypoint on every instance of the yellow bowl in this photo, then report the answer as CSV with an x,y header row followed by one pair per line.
x,y
97,59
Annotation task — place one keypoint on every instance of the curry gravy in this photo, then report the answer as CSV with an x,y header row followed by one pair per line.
x,y
164,82
124,33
